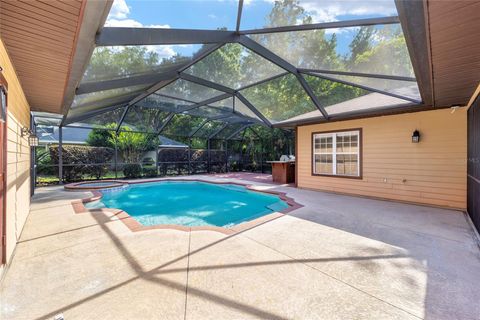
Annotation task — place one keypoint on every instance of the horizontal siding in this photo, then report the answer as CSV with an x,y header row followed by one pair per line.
x,y
431,172
18,155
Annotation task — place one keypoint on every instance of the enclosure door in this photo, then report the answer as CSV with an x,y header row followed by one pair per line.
x,y
3,169
473,180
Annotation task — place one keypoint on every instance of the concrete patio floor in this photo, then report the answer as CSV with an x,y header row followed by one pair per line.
x,y
338,257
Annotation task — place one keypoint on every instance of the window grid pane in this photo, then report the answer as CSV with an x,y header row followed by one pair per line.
x,y
337,153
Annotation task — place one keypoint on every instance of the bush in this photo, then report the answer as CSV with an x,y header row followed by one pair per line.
x,y
149,172
133,170
82,160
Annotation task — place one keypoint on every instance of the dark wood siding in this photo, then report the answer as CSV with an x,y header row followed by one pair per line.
x,y
473,167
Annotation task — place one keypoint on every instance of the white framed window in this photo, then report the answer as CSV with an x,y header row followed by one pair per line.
x,y
337,153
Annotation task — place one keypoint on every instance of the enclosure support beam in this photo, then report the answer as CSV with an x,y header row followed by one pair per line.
x,y
218,131
282,63
206,83
357,74
237,131
124,114
200,127
60,155
414,21
124,36
239,14
205,51
326,25
209,101
253,109
312,95
145,79
348,83
169,118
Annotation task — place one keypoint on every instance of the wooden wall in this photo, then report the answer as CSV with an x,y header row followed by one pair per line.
x,y
18,155
434,170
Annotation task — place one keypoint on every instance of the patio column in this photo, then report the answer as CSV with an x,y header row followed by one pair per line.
x,y
60,155
33,162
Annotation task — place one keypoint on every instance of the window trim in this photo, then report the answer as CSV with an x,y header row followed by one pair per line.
x,y
360,154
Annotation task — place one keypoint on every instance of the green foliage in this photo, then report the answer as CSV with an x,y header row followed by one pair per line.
x,y
82,160
100,138
132,171
149,172
130,145
43,161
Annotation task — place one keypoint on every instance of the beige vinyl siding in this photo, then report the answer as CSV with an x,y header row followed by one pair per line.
x,y
434,170
18,156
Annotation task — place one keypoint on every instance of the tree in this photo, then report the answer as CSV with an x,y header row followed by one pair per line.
x,y
131,145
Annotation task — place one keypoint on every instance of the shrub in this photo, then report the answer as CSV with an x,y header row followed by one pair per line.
x,y
149,172
133,170
82,160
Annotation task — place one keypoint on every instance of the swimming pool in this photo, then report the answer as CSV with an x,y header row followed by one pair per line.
x,y
190,203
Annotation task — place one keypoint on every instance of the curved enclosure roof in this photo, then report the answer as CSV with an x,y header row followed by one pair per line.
x,y
199,67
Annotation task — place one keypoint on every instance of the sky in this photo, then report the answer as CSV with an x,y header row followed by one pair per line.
x,y
214,14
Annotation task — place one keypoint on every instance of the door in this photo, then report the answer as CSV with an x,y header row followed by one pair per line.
x,y
473,166
3,167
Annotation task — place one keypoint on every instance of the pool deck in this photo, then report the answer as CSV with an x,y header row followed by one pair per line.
x,y
338,257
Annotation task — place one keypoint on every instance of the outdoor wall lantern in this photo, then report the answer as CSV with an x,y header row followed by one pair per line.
x,y
416,136
32,137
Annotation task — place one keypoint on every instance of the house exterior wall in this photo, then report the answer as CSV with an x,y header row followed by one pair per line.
x,y
18,156
431,172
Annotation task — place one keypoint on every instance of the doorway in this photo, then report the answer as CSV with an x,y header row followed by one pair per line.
x,y
473,167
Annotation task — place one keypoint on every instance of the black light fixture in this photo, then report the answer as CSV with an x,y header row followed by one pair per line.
x,y
416,136
32,137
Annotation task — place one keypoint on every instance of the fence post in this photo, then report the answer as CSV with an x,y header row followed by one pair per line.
x,y
261,156
157,159
60,155
189,156
116,158
208,156
226,156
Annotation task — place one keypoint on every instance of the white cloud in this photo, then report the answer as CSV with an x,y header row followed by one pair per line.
x,y
162,51
326,11
212,16
127,23
119,10
118,17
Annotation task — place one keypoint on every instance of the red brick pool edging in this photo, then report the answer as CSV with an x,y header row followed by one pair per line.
x,y
135,226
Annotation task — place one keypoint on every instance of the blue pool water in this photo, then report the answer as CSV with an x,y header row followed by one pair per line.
x,y
190,203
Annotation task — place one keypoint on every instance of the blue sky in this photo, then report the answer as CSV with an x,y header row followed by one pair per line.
x,y
213,14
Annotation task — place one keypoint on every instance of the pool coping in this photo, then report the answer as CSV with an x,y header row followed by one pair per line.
x,y
135,226
78,185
